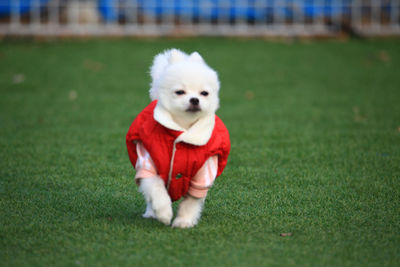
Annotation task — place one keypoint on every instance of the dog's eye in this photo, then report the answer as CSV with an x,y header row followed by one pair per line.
x,y
180,92
204,93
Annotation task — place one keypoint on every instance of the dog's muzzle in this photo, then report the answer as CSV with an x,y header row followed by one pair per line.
x,y
194,105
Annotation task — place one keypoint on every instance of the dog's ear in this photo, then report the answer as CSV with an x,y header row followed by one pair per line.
x,y
175,56
195,57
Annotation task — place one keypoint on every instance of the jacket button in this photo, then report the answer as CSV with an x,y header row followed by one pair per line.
x,y
179,175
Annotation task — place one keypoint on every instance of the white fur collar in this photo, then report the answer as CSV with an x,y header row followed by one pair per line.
x,y
198,134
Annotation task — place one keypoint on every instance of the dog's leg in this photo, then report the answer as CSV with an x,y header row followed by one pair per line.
x,y
189,212
158,201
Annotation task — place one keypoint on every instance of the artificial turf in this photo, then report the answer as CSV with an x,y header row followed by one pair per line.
x,y
315,132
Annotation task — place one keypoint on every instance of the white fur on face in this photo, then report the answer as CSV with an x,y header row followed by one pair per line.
x,y
189,79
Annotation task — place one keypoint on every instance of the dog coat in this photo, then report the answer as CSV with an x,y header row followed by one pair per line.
x,y
199,184
177,154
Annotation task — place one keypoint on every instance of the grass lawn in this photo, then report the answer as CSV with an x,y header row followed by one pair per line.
x,y
315,131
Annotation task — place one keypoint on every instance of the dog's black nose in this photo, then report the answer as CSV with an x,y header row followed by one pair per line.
x,y
194,101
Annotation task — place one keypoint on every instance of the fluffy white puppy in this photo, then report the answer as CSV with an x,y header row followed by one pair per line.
x,y
186,90
185,85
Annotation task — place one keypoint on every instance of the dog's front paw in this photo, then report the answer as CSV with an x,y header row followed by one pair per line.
x,y
163,210
159,203
164,215
189,212
181,222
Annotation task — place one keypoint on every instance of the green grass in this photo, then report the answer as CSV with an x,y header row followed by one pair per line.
x,y
315,131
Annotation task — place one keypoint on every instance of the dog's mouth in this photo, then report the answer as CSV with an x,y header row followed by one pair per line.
x,y
193,109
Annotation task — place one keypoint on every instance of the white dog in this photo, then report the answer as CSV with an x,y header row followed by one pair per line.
x,y
177,144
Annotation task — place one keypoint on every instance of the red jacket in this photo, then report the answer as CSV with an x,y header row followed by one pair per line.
x,y
164,147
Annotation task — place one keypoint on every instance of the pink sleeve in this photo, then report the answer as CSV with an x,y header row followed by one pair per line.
x,y
204,178
144,166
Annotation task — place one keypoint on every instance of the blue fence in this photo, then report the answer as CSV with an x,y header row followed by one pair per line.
x,y
8,7
250,10
155,17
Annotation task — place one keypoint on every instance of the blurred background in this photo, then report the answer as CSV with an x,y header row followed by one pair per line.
x,y
314,125
195,17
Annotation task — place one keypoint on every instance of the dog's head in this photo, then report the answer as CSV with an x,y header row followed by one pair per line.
x,y
188,88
